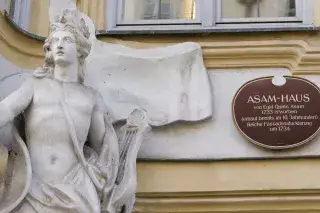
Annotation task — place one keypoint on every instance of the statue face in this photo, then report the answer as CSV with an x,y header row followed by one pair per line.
x,y
64,48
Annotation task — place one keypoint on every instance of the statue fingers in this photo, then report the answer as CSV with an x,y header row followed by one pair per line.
x,y
138,118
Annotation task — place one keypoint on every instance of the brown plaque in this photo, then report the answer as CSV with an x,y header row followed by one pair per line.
x,y
277,117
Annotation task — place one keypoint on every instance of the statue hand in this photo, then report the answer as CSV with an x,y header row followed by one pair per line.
x,y
137,118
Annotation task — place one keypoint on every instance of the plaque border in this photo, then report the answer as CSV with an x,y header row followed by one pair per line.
x,y
258,143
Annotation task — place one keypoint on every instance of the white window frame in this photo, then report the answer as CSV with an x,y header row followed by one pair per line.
x,y
208,16
21,13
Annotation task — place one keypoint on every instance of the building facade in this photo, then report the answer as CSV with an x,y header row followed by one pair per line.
x,y
240,40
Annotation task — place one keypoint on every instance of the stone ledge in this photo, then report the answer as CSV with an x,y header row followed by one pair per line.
x,y
303,202
224,177
195,29
296,55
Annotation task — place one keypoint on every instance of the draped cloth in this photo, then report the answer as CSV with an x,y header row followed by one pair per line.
x,y
75,194
171,83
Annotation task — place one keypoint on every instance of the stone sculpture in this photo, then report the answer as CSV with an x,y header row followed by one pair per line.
x,y
78,164
170,82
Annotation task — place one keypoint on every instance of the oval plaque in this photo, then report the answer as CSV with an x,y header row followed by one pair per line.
x,y
277,117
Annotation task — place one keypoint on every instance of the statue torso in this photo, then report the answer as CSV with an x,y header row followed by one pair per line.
x,y
47,133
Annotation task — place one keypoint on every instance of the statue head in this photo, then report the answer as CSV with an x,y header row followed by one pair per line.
x,y
67,43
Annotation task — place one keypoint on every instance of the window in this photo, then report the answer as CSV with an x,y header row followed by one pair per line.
x,y
20,12
157,15
156,11
259,11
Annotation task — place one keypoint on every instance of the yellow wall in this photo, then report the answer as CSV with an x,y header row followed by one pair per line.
x,y
95,9
317,13
251,186
3,162
39,20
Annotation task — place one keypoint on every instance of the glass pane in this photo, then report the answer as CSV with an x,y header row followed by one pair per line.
x,y
258,8
158,9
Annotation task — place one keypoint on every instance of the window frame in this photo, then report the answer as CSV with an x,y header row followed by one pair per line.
x,y
210,20
19,11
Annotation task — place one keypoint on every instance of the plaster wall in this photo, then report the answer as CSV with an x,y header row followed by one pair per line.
x,y
218,138
39,18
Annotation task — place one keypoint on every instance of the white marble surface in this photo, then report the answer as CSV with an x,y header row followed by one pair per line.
x,y
216,138
171,82
61,114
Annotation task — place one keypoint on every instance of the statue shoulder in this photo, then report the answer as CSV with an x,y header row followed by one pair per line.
x,y
34,81
28,82
94,94
101,105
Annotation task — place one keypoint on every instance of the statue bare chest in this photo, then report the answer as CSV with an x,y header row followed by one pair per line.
x,y
46,107
50,94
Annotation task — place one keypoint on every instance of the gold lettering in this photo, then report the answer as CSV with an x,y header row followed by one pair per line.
x,y
306,98
250,99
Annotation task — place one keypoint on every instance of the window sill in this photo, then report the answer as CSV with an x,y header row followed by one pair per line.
x,y
169,30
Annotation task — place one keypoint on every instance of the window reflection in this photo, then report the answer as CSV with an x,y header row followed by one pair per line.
x,y
258,8
19,11
158,9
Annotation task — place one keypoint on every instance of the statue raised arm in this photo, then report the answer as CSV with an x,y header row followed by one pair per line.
x,y
16,103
